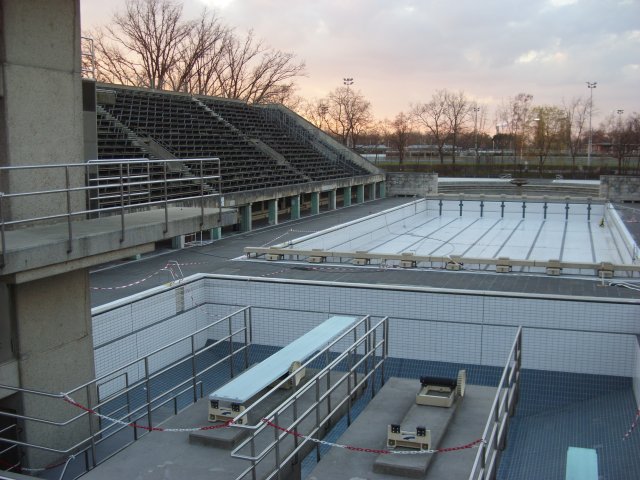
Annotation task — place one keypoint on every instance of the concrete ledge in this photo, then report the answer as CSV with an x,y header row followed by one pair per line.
x,y
42,251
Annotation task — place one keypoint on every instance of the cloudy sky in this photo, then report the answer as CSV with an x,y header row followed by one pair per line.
x,y
400,51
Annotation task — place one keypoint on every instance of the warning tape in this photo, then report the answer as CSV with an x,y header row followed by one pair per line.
x,y
633,426
132,284
71,401
228,423
353,448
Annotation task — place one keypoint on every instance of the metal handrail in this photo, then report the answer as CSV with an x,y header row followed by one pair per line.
x,y
151,403
85,184
496,429
372,350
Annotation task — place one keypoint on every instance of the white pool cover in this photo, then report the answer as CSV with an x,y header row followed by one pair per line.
x,y
518,229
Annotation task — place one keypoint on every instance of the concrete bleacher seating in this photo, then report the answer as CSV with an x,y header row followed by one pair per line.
x,y
254,152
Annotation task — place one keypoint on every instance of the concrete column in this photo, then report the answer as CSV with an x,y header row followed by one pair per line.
x,y
55,354
215,233
346,196
332,199
177,242
315,203
372,191
273,211
383,190
360,194
41,108
245,218
295,207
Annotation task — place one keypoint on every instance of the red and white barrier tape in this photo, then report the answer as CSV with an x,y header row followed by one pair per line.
x,y
71,401
353,448
633,426
132,284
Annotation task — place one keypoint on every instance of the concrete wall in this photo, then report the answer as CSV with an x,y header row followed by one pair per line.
x,y
55,354
42,98
412,183
619,188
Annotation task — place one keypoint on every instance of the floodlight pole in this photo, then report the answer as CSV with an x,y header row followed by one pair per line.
x,y
475,131
590,86
348,82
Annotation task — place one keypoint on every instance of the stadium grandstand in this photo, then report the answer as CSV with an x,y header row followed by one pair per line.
x,y
197,287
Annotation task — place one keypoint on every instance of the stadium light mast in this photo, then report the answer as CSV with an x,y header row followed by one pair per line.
x,y
348,82
590,86
475,131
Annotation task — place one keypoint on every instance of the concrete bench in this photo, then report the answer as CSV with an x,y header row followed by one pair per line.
x,y
232,398
582,464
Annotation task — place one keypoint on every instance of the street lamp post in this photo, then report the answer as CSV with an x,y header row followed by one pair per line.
x,y
620,112
348,82
475,132
591,86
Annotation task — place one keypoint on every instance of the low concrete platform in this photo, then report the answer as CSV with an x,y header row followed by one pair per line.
x,y
229,438
390,406
435,419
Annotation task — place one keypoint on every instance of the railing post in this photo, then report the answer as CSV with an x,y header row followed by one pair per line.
x,y
201,194
68,195
194,370
231,352
277,439
91,429
121,205
166,195
373,365
246,341
2,239
148,387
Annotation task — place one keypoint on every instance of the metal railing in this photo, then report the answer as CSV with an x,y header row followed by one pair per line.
x,y
135,402
73,189
495,432
318,403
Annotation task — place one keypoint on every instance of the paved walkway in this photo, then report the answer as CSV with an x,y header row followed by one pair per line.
x,y
121,279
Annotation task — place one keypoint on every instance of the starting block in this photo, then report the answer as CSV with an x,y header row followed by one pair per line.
x,y
220,411
420,438
441,392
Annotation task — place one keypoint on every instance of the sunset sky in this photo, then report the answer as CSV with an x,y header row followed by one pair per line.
x,y
399,51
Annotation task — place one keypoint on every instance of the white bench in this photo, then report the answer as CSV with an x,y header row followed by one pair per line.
x,y
230,400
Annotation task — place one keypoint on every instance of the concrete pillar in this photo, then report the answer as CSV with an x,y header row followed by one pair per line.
x,y
383,190
346,196
245,218
215,233
360,194
332,199
41,106
273,211
177,242
295,207
372,191
315,203
52,317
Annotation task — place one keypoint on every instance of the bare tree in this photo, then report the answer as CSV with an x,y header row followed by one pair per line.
x,y
551,132
576,113
399,129
516,117
151,45
457,109
348,115
433,117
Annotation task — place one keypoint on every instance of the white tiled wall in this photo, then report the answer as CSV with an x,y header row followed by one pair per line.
x,y
565,335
